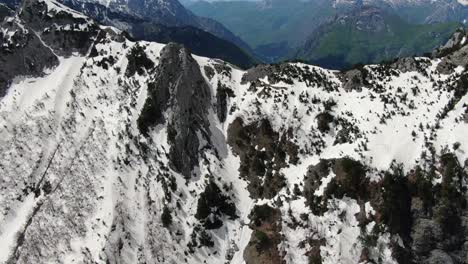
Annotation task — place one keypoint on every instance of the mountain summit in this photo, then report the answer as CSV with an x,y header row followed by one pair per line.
x,y
123,151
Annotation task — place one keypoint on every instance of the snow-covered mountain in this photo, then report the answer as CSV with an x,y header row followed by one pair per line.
x,y
165,12
117,151
168,13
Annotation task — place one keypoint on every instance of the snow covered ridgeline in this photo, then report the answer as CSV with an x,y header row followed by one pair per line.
x,y
392,119
139,152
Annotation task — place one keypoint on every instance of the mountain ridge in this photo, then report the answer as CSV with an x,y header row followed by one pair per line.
x,y
168,13
139,152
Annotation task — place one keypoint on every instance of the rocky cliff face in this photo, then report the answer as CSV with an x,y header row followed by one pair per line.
x,y
138,152
180,87
22,51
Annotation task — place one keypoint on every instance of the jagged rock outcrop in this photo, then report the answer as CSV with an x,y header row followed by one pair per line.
x,y
22,50
180,88
452,44
354,79
263,245
453,54
223,93
64,32
262,153
410,64
213,206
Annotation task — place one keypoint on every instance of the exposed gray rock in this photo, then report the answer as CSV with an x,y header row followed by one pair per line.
x,y
315,174
222,95
62,31
256,73
223,69
425,233
274,72
343,136
453,53
353,80
209,72
262,152
288,73
323,121
454,43
180,95
410,64
457,58
263,245
36,35
23,52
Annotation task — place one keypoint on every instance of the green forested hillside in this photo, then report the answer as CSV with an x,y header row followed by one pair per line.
x,y
273,29
318,32
371,36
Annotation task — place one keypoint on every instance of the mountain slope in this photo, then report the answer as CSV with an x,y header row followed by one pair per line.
x,y
271,28
276,29
198,41
162,16
416,11
168,13
138,152
370,35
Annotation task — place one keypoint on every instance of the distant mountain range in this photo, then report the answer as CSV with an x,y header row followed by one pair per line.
x,y
416,11
116,151
165,12
165,21
181,26
279,30
369,35
271,28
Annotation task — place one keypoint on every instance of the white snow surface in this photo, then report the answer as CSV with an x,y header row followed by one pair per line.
x,y
76,128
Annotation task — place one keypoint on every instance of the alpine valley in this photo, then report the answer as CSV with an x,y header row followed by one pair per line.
x,y
117,150
338,33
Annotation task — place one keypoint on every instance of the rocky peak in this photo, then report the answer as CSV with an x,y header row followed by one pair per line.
x,y
457,41
178,86
453,53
